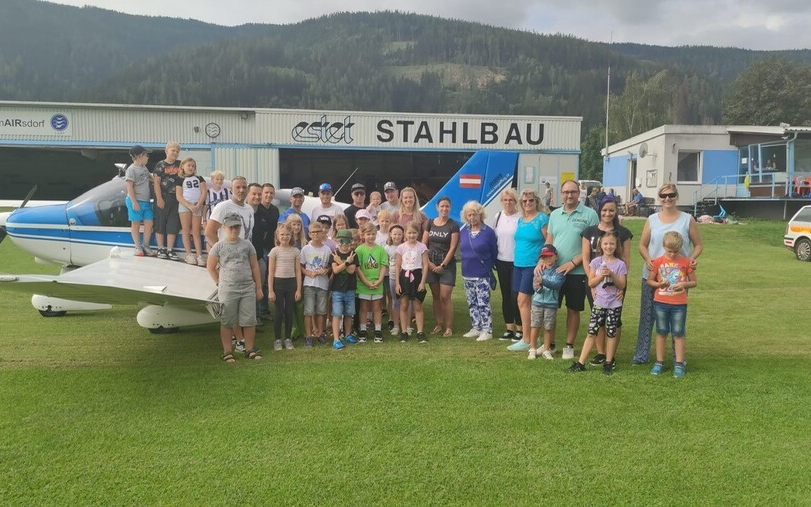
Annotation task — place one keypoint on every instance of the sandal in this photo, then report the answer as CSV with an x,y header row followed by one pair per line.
x,y
228,358
253,354
448,333
437,329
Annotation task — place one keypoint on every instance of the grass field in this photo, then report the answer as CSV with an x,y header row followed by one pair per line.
x,y
95,410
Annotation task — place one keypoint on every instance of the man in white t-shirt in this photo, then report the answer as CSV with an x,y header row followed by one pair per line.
x,y
239,192
326,207
392,203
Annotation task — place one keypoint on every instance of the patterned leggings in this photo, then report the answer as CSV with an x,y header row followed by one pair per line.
x,y
477,291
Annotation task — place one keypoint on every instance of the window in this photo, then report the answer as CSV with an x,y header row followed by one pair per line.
x,y
689,162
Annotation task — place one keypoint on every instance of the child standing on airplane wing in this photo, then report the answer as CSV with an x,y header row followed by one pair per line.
x,y
139,209
239,286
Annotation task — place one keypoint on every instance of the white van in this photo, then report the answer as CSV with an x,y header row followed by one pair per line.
x,y
798,234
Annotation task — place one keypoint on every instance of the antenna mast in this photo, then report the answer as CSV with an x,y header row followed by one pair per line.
x,y
608,92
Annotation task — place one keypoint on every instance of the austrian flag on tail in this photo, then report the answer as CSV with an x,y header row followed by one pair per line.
x,y
470,181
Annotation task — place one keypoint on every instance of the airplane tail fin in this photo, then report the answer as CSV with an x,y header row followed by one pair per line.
x,y
482,178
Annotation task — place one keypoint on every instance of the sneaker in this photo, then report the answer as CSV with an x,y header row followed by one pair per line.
x,y
391,326
233,342
362,334
484,336
507,336
202,263
531,354
350,339
598,360
139,251
191,259
552,347
172,255
410,330
277,345
519,346
657,369
378,337
162,253
322,339
395,331
148,251
240,346
608,368
568,352
337,345
421,338
547,354
678,371
519,335
288,344
575,367
473,333
308,342
403,337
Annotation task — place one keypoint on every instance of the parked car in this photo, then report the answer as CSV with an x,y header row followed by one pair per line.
x,y
798,234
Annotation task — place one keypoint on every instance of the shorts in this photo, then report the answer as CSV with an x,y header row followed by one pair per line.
x,y
184,209
522,280
574,289
670,319
610,318
238,308
370,297
343,303
543,317
448,276
167,219
409,283
145,215
315,301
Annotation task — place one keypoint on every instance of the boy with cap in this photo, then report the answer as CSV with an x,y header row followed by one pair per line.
x,y
139,209
545,302
392,203
358,200
343,286
239,286
326,207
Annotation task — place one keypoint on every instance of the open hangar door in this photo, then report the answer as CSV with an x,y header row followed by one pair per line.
x,y
426,171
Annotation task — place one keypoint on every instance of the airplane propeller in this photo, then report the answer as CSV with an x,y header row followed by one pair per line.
x,y
3,231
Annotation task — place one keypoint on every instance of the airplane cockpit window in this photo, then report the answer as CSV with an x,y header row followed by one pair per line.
x,y
102,205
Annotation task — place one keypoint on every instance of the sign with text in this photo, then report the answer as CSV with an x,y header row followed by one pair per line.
x,y
39,123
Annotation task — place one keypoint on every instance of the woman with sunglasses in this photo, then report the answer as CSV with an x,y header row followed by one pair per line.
x,y
530,236
650,247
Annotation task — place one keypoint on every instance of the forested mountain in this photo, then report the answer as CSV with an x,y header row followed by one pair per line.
x,y
367,61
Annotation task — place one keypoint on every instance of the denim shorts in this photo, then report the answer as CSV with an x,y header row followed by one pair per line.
x,y
670,319
522,280
343,303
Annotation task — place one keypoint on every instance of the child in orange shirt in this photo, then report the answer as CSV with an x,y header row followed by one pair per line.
x,y
671,276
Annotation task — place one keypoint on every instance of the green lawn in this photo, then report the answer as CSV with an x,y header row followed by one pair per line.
x,y
95,410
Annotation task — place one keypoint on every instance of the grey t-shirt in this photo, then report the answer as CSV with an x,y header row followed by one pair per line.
x,y
235,263
140,177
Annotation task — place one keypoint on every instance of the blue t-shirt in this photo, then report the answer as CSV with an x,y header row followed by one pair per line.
x,y
529,239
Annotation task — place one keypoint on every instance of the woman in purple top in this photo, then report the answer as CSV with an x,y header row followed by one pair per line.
x,y
479,248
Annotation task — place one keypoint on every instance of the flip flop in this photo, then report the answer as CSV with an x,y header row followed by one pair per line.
x,y
448,333
437,329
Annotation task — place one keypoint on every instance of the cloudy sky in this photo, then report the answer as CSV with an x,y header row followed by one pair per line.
x,y
753,24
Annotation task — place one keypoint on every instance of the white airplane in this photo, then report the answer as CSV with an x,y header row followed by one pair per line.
x,y
89,238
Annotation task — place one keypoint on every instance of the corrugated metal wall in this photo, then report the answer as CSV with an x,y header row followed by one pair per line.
x,y
259,165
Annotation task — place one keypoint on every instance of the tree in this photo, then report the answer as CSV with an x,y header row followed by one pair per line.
x,y
770,92
591,161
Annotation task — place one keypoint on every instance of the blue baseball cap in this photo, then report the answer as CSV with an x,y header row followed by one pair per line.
x,y
325,187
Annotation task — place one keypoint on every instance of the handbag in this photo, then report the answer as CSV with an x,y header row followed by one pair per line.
x,y
491,279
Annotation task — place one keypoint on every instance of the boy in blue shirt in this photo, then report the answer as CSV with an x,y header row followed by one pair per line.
x,y
545,303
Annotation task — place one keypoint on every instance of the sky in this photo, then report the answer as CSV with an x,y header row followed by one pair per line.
x,y
752,24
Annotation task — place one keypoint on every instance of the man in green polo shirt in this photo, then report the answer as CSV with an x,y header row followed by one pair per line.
x,y
565,225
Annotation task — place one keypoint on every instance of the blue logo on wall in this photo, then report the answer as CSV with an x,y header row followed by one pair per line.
x,y
59,122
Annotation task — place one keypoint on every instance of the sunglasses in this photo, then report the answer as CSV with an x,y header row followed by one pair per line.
x,y
671,195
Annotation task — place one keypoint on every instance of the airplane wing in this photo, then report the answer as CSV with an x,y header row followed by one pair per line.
x,y
123,281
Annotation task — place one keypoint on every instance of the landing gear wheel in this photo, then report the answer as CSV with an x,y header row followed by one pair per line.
x,y
802,249
52,313
163,330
